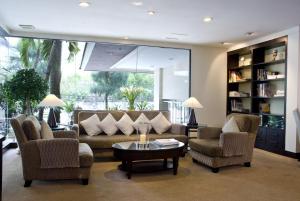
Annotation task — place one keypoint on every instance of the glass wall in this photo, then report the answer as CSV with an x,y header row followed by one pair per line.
x,y
100,76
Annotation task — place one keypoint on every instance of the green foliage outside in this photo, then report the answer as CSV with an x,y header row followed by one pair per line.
x,y
108,83
26,87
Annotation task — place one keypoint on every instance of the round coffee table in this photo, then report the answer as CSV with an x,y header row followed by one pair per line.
x,y
129,152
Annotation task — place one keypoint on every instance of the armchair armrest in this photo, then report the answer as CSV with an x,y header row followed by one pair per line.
x,y
234,144
178,129
209,132
75,127
65,134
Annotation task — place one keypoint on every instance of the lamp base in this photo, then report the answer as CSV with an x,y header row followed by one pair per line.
x,y
192,120
52,119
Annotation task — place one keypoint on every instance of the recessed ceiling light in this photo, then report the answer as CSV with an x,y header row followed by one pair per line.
x,y
137,3
151,12
171,38
27,26
84,4
180,34
207,19
126,37
250,33
225,43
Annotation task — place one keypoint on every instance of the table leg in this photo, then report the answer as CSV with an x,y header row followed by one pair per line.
x,y
124,165
165,163
129,168
175,165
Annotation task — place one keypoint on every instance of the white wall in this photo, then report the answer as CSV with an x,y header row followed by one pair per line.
x,y
209,84
293,81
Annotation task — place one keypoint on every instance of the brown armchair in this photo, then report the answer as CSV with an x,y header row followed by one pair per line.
x,y
56,149
216,149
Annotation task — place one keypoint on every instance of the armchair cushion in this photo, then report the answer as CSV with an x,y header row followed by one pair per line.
x,y
209,147
86,157
32,128
209,133
59,153
234,144
243,123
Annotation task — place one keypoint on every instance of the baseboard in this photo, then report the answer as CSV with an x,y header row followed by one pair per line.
x,y
291,154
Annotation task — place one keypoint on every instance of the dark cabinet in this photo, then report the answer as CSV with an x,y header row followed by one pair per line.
x,y
271,139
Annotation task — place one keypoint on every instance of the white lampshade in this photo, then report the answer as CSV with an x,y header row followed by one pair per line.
x,y
192,102
51,101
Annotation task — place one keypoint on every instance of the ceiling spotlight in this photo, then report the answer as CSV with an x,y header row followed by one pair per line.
x,y
225,43
27,26
137,3
84,4
207,19
250,33
126,38
151,12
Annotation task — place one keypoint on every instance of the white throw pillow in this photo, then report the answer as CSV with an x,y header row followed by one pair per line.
x,y
160,123
108,125
230,126
141,119
91,125
46,132
125,124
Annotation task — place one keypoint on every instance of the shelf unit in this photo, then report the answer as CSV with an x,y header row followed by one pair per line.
x,y
260,72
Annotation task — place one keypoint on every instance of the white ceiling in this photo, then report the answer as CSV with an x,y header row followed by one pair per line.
x,y
119,18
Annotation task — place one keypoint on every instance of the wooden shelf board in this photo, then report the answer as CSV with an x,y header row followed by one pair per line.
x,y
270,62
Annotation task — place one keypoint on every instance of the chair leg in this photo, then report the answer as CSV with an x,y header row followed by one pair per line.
x,y
84,181
247,164
215,170
27,183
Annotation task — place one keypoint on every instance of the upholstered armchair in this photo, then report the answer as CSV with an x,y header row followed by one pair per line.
x,y
216,149
49,159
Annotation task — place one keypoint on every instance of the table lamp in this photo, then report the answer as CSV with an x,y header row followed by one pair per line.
x,y
192,103
52,102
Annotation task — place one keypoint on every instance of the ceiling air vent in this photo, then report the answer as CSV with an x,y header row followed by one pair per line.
x,y
27,26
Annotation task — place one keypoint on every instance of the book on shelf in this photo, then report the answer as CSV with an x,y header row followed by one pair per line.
x,y
166,142
265,90
238,94
237,106
263,74
235,76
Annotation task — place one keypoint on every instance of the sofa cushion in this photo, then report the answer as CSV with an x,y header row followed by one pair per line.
x,y
108,125
32,128
46,132
92,125
86,157
106,142
125,124
209,147
160,123
230,126
142,119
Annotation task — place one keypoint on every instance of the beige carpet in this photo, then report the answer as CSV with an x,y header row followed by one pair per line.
x,y
271,178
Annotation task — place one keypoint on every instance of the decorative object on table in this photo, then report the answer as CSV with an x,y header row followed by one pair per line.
x,y
52,102
274,54
26,87
166,142
264,108
143,132
131,93
69,108
192,103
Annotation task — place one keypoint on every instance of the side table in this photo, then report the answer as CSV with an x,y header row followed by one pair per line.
x,y
189,128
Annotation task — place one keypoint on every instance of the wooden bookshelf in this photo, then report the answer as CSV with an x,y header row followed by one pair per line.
x,y
260,71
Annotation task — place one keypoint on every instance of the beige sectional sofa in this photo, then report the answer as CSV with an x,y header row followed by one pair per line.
x,y
103,142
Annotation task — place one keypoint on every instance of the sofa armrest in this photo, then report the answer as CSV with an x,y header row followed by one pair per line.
x,y
209,132
234,144
65,134
178,129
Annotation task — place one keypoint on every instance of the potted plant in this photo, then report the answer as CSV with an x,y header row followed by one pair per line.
x,y
131,93
26,87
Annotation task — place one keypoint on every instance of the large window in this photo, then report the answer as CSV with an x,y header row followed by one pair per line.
x,y
97,75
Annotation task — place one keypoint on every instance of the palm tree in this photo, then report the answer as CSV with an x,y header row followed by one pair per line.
x,y
36,51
